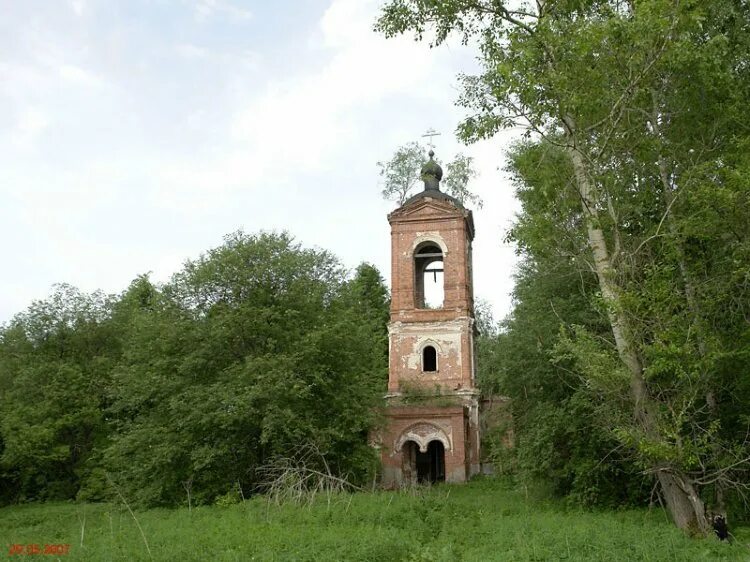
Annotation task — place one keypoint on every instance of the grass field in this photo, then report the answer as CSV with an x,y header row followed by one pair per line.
x,y
484,520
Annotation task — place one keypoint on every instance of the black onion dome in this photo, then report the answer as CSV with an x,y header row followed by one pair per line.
x,y
432,173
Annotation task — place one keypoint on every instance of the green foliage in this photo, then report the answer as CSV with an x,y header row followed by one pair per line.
x,y
483,520
232,497
402,172
633,179
458,174
556,350
56,362
253,349
559,421
413,393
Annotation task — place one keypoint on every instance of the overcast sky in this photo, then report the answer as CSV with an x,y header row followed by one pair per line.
x,y
136,134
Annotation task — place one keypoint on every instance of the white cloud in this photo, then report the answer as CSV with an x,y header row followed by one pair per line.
x,y
205,9
307,120
190,51
29,125
241,61
31,94
343,22
78,6
20,81
78,76
157,167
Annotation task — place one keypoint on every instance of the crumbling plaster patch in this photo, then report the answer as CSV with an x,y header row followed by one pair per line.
x,y
447,338
432,236
422,433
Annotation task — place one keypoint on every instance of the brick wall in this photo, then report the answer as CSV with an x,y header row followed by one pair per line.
x,y
452,416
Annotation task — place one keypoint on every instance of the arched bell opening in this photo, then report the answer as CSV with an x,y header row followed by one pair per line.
x,y
429,272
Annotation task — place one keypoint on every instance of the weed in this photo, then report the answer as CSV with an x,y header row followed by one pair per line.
x,y
486,519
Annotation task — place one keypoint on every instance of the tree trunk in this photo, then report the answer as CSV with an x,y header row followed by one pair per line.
x,y
604,271
683,503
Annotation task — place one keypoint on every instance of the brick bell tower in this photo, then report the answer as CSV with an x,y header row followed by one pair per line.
x,y
431,432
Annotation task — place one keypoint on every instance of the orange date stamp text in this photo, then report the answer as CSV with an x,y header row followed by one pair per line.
x,y
37,549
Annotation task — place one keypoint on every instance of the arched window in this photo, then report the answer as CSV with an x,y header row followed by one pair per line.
x,y
429,359
428,268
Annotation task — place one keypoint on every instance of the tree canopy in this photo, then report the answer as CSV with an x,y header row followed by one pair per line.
x,y
634,179
256,348
403,171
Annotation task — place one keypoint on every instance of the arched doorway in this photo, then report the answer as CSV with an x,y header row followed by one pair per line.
x,y
424,467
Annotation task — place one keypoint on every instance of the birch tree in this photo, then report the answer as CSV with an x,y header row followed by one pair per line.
x,y
401,175
607,83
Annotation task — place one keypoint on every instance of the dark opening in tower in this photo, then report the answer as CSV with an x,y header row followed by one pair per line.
x,y
431,465
429,359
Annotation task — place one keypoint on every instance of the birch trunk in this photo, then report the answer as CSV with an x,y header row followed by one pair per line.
x,y
683,503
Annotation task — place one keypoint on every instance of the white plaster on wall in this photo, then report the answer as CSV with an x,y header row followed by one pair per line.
x,y
448,347
447,337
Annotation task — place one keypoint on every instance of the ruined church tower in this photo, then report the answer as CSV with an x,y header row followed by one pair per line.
x,y
432,428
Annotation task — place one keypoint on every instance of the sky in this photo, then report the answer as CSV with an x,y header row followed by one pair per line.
x,y
135,135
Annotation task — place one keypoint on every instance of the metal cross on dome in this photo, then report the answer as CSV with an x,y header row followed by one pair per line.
x,y
431,133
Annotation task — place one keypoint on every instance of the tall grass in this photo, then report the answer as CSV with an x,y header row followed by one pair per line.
x,y
484,520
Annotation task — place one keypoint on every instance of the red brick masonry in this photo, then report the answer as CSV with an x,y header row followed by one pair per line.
x,y
451,416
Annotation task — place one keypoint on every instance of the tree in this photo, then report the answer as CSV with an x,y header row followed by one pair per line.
x,y
253,350
367,294
404,170
459,173
559,433
56,361
611,87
